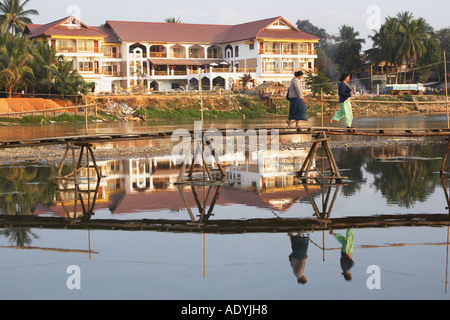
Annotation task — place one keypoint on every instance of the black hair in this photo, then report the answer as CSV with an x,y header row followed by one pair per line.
x,y
298,73
345,75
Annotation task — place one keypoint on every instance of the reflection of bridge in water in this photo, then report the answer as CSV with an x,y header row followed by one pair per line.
x,y
321,220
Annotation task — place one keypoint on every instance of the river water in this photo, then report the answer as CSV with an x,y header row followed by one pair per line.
x,y
382,203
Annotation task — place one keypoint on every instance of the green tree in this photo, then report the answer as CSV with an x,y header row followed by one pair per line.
x,y
308,27
14,17
415,36
66,80
385,44
318,83
404,40
348,49
45,60
15,59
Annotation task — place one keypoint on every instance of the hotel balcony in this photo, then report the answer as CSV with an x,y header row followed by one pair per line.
x,y
158,54
286,70
112,55
293,52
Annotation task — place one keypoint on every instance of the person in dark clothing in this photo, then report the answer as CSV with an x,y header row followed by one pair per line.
x,y
345,111
299,244
347,243
297,108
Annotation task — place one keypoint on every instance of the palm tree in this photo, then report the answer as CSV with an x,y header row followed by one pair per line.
x,y
246,79
401,40
15,60
172,20
14,17
66,80
385,44
414,35
45,59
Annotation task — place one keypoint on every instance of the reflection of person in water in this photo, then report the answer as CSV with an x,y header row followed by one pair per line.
x,y
299,255
346,252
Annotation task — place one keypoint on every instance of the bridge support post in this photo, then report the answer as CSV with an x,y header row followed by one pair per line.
x,y
310,161
444,161
71,183
199,150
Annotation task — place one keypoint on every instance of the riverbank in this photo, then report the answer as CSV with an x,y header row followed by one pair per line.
x,y
173,107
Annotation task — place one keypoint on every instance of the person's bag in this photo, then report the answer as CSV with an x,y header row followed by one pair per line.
x,y
287,96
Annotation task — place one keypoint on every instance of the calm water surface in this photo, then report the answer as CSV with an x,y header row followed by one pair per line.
x,y
172,264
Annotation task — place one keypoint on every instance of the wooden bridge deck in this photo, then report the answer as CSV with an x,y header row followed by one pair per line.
x,y
274,225
108,137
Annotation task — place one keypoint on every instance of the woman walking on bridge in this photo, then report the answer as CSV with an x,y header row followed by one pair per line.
x,y
297,109
344,93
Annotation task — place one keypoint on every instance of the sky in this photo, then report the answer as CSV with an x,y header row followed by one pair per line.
x,y
363,15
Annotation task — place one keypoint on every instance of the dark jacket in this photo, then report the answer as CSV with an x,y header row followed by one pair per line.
x,y
344,92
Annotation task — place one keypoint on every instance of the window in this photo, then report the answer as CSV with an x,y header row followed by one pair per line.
x,y
85,45
236,51
86,66
65,46
303,48
251,46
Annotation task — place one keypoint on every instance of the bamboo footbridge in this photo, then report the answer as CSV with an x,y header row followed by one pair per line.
x,y
320,134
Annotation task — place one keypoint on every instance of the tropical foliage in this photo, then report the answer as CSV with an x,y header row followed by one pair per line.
x,y
14,17
404,40
32,65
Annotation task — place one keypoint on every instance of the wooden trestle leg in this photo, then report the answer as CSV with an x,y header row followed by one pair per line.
x,y
63,186
199,151
444,161
309,163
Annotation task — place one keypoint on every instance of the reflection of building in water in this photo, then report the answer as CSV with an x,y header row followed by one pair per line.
x,y
148,184
272,171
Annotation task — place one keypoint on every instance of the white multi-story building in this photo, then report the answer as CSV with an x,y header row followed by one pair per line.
x,y
168,56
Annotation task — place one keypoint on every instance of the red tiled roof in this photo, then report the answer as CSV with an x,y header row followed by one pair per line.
x,y
129,31
111,38
57,29
202,33
167,32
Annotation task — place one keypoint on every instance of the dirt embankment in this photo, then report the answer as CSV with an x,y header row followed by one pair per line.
x,y
11,105
361,105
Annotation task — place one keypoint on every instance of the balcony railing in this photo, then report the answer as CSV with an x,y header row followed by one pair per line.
x,y
158,54
89,50
294,52
178,55
112,55
89,70
287,70
66,49
110,73
78,50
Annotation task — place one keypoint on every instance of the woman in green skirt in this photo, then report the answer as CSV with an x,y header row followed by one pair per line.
x,y
344,93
